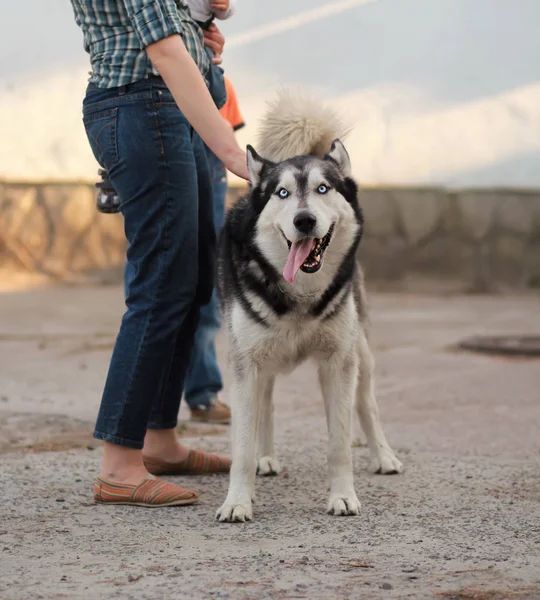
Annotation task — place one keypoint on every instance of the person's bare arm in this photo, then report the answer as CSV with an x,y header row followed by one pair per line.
x,y
184,80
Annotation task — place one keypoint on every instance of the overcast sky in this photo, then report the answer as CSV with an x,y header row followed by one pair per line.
x,y
443,91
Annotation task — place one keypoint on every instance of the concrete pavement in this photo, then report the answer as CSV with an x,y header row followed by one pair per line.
x,y
462,521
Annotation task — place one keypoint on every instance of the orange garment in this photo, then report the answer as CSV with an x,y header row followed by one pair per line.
x,y
230,110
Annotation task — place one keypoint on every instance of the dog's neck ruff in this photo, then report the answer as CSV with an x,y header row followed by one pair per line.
x,y
262,280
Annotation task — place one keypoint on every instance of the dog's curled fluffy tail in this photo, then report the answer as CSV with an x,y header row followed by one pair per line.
x,y
295,125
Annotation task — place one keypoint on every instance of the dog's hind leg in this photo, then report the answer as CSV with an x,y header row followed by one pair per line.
x,y
267,463
337,378
382,459
248,389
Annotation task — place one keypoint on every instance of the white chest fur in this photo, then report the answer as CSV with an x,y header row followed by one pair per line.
x,y
292,338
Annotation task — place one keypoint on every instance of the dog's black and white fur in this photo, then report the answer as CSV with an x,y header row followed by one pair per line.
x,y
281,309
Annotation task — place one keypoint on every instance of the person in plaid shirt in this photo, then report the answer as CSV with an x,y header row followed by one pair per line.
x,y
148,113
204,12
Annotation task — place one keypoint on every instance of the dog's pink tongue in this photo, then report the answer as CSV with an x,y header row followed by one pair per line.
x,y
298,253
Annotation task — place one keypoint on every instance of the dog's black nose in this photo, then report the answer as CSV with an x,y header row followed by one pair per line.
x,y
305,221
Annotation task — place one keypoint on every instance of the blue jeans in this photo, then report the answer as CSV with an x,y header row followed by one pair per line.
x,y
203,379
216,82
157,164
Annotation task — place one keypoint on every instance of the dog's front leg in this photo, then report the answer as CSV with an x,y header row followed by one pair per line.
x,y
248,388
338,377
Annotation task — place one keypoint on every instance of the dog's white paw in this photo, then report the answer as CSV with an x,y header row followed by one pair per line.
x,y
235,513
343,505
385,462
268,465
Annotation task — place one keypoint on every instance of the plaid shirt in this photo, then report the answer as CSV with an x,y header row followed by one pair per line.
x,y
116,33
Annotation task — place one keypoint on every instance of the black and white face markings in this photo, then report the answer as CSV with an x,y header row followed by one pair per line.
x,y
247,271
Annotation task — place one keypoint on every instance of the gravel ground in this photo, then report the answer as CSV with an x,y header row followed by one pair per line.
x,y
462,522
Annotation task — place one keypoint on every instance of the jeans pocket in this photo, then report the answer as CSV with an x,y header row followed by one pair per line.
x,y
101,129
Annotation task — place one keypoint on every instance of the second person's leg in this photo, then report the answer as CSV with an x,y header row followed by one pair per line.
x,y
204,381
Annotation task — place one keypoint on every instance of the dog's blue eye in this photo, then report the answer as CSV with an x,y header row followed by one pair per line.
x,y
283,193
322,189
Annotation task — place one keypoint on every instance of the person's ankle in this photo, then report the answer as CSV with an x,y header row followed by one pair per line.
x,y
122,465
164,444
126,475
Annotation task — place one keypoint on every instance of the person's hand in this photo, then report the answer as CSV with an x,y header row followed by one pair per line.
x,y
214,39
219,5
237,164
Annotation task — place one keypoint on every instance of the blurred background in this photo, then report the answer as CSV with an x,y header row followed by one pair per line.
x,y
443,92
444,97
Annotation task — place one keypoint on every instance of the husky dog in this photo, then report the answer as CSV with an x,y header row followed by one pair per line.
x,y
290,289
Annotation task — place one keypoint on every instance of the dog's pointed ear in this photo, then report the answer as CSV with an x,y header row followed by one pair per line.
x,y
340,156
255,165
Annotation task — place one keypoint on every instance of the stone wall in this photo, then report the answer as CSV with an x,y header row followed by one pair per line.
x,y
471,240
483,240
56,231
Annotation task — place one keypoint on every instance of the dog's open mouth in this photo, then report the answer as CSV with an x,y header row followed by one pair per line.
x,y
306,255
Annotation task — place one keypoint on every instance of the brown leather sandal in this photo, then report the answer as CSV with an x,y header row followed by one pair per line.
x,y
196,463
151,493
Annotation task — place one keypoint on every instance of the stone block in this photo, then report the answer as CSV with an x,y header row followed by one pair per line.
x,y
74,207
111,229
532,265
444,257
516,213
478,212
535,228
384,258
25,228
420,211
508,259
451,219
482,281
71,213
18,205
510,247
380,213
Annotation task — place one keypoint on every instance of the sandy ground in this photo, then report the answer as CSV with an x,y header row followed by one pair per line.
x,y
462,521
